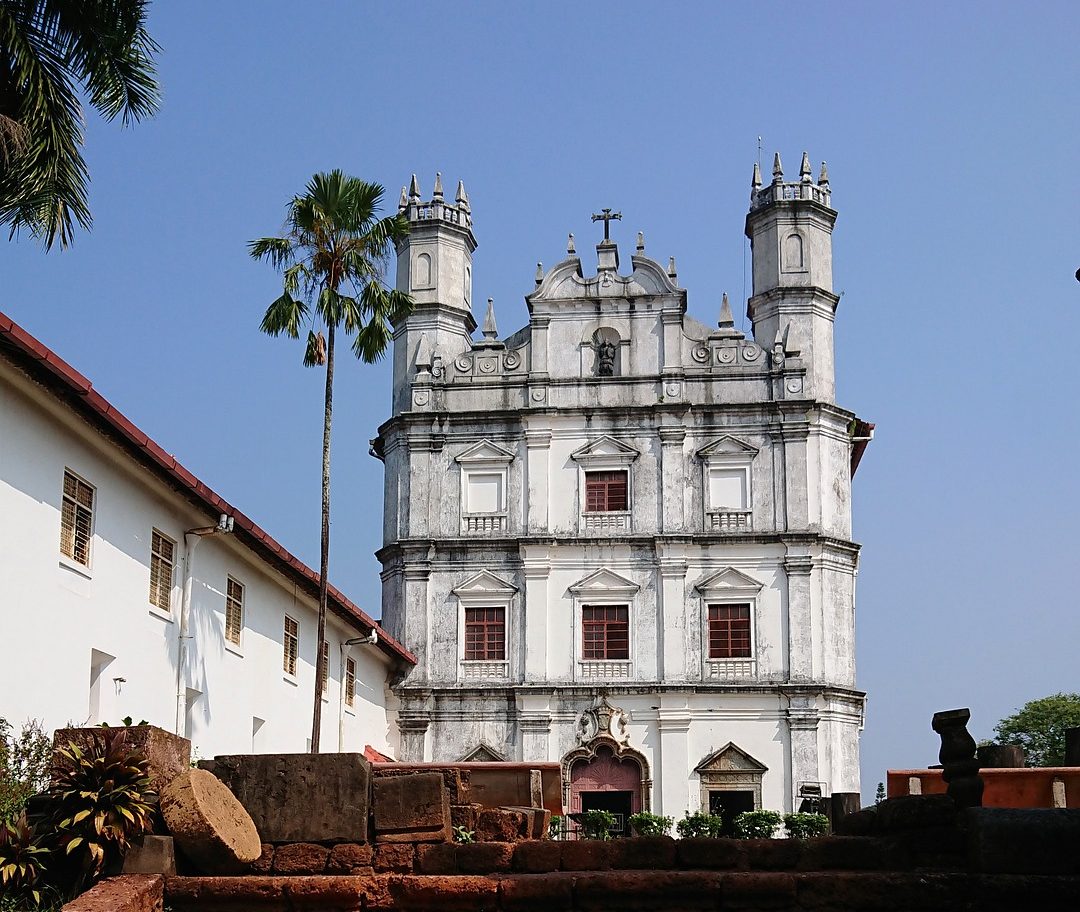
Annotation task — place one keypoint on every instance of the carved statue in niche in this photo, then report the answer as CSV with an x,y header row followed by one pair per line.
x,y
605,354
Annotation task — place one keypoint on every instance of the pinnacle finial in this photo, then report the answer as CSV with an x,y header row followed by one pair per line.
x,y
437,193
804,168
403,201
641,242
823,178
539,273
414,188
570,249
755,181
727,321
423,354
777,169
462,197
671,267
490,331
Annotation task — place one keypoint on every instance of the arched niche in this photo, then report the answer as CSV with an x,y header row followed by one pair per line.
x,y
603,765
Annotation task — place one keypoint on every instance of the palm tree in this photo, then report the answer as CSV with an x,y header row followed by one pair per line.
x,y
334,244
49,50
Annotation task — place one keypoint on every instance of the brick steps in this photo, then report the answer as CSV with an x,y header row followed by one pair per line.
x,y
602,891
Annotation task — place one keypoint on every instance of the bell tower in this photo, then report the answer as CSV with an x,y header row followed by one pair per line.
x,y
434,266
790,229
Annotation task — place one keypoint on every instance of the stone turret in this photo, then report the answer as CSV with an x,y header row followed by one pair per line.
x,y
790,227
435,267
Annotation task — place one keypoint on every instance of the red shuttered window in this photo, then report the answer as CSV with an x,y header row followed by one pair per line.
x,y
729,631
605,632
485,634
605,492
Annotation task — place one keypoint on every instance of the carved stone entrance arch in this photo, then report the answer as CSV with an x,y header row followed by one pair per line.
x,y
605,765
730,769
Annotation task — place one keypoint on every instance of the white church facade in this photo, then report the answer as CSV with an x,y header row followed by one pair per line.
x,y
621,539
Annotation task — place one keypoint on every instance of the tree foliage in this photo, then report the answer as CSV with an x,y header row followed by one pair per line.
x,y
51,51
1039,728
24,766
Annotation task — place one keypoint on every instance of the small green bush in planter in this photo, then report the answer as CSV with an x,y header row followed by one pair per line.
x,y
700,825
646,824
803,826
757,824
595,824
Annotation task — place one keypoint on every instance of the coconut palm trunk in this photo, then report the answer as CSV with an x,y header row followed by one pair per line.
x,y
324,542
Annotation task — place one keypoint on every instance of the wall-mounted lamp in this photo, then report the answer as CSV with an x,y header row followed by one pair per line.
x,y
363,641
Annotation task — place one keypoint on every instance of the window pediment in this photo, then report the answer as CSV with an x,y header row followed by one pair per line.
x,y
484,585
728,581
485,453
726,447
605,583
605,451
483,753
730,759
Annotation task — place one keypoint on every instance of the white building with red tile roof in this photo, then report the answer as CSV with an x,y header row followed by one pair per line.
x,y
130,588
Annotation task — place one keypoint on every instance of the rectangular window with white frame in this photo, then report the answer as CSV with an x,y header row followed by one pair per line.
x,y
484,468
76,519
290,646
234,611
605,485
162,566
350,681
727,492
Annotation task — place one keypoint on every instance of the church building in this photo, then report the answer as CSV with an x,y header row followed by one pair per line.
x,y
618,538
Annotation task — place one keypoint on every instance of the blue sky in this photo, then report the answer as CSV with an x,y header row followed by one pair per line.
x,y
952,133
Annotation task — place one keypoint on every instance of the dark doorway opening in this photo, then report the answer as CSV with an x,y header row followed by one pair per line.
x,y
618,803
729,805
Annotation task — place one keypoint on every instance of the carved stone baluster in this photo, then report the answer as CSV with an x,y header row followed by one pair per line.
x,y
960,766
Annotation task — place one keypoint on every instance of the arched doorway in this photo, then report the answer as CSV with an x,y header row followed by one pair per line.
x,y
604,776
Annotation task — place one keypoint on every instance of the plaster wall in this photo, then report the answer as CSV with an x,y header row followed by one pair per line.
x,y
59,615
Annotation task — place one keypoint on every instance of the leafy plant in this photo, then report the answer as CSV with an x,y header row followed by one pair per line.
x,y
464,835
700,825
24,766
758,824
126,722
555,826
595,824
803,826
1039,728
22,863
646,824
880,796
99,800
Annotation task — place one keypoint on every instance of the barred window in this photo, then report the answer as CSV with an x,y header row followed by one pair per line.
x,y
234,611
605,492
291,645
162,557
76,519
605,632
729,631
485,634
324,667
350,682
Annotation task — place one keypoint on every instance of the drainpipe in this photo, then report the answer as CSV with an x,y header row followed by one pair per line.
x,y
372,639
224,526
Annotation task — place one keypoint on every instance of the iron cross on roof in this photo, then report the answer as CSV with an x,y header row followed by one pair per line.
x,y
606,216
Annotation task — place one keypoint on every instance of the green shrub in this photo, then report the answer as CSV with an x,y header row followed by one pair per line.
x,y
98,801
555,827
24,767
22,865
699,825
464,835
803,826
595,824
757,824
646,824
